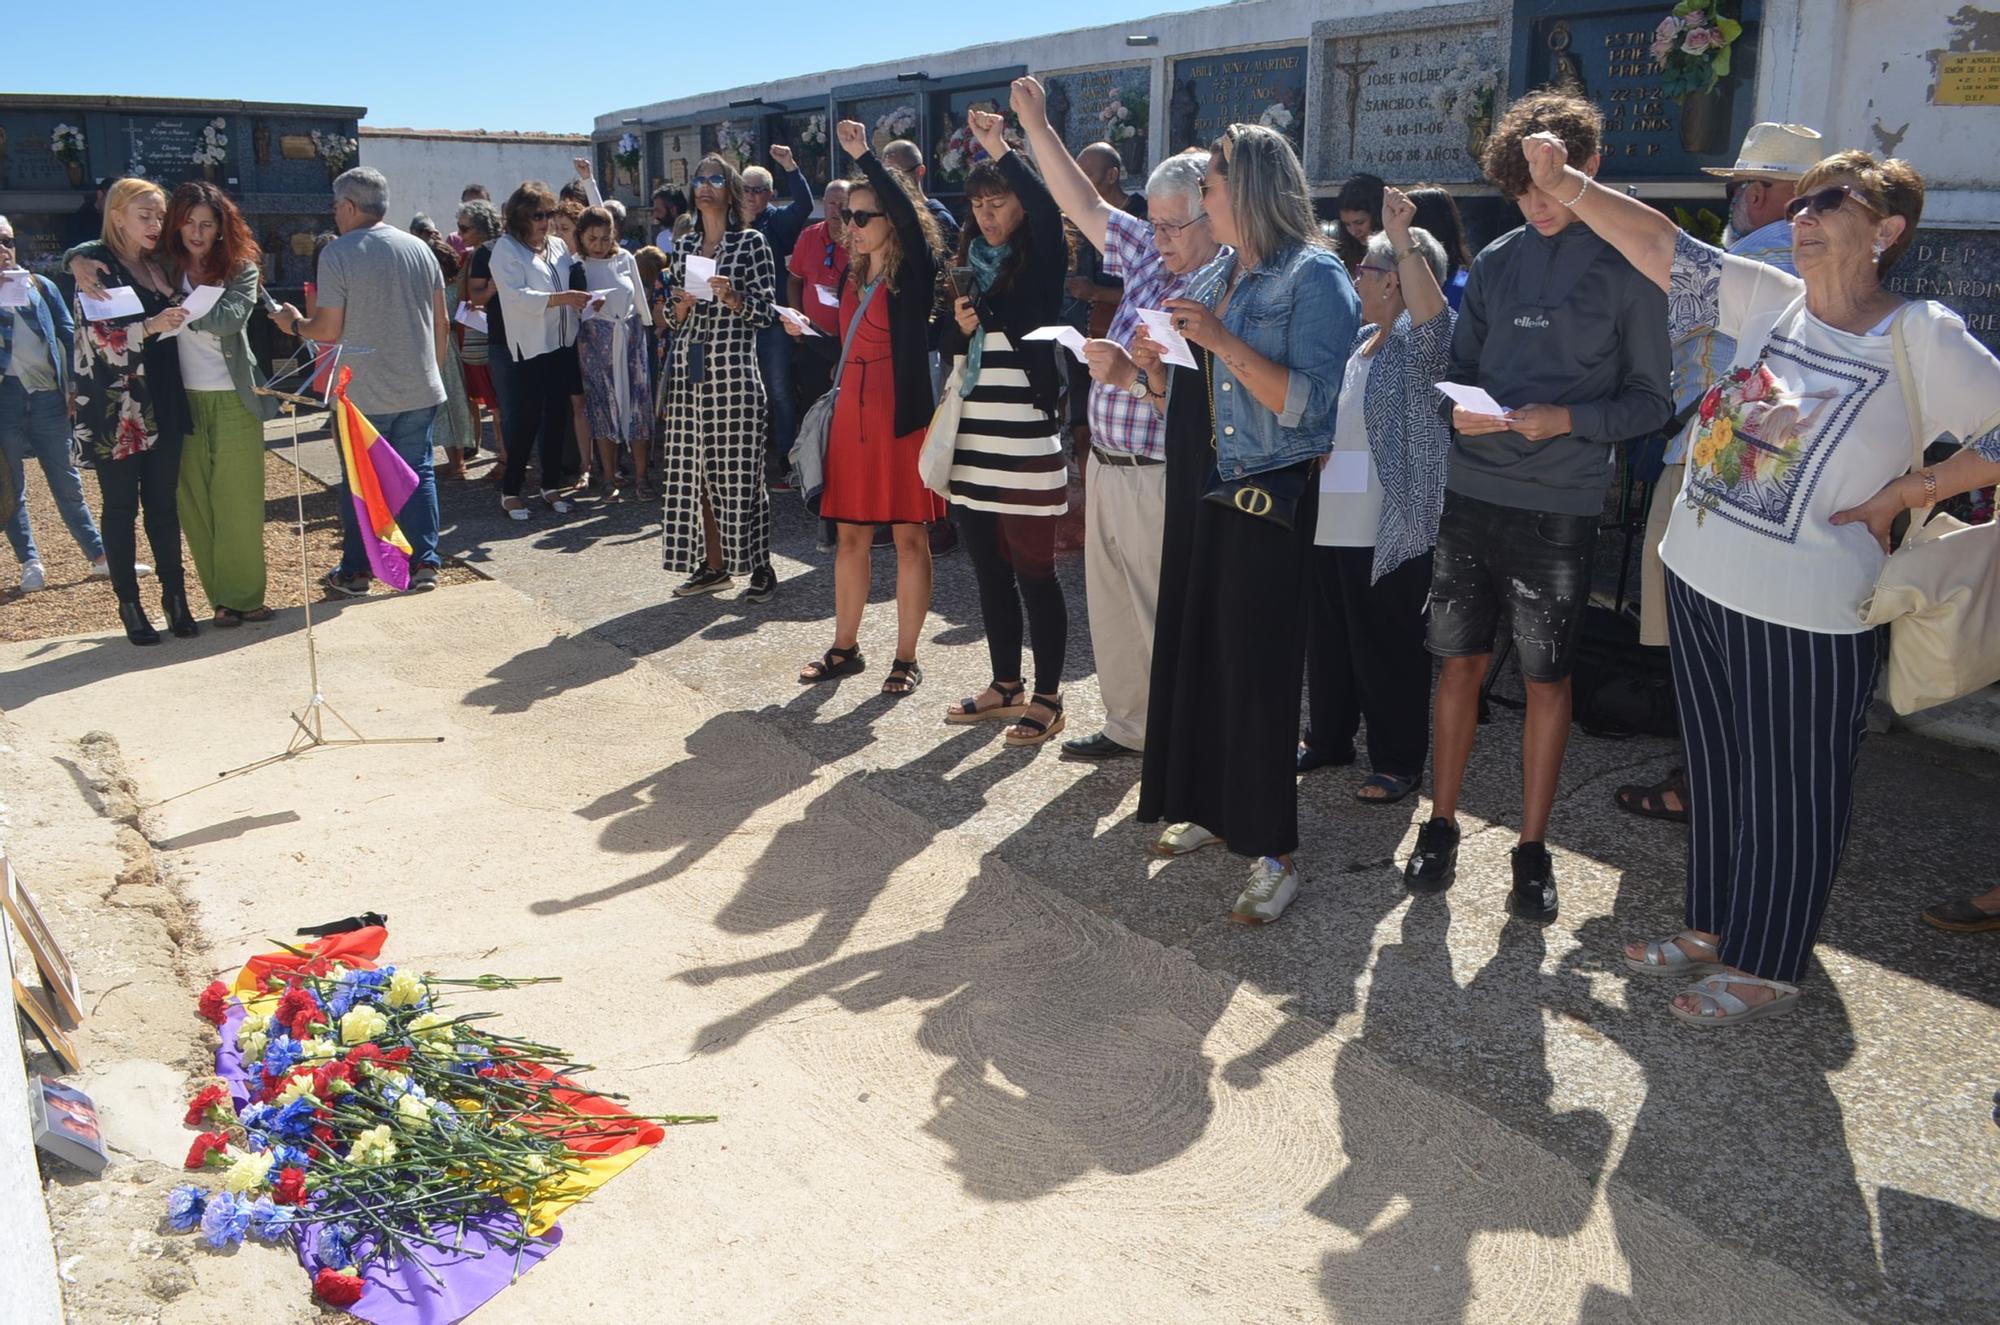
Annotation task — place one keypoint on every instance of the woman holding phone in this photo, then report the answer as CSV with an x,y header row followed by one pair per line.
x,y
1010,470
882,412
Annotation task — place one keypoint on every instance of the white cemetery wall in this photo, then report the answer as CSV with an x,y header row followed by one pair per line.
x,y
428,169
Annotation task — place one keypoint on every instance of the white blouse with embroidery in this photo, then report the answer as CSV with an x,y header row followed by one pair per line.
x,y
1810,420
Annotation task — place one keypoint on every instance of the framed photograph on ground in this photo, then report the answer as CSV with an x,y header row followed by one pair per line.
x,y
39,1009
66,997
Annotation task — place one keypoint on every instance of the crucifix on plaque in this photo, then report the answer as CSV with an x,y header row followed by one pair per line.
x,y
137,164
1354,69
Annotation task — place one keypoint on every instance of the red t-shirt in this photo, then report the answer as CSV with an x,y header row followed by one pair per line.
x,y
817,260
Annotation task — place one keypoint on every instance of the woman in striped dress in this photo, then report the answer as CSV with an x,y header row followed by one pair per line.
x,y
1010,471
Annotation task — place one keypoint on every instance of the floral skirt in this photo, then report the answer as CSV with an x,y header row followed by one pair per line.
x,y
617,391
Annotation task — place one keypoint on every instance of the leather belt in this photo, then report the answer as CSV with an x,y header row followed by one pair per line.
x,y
1124,458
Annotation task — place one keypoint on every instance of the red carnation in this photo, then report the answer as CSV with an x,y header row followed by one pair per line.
x,y
337,1289
205,1145
364,1053
213,1001
323,1134
290,1188
326,1074
205,1099
297,1011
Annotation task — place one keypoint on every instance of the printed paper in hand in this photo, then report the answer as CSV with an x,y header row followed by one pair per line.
x,y
197,302
1345,471
1473,399
827,295
469,316
594,310
794,318
699,270
119,301
15,287
1068,336
1160,330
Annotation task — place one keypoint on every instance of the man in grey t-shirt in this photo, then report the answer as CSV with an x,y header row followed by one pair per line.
x,y
381,296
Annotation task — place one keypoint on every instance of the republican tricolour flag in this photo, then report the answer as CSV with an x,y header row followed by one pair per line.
x,y
379,483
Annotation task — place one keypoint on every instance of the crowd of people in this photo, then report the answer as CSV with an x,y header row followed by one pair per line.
x,y
1279,498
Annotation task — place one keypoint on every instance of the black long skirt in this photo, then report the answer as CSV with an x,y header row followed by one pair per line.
x,y
1222,723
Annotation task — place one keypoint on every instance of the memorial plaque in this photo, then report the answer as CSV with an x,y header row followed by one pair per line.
x,y
953,150
1967,78
1961,270
887,117
733,138
1409,96
28,160
1605,52
1105,106
1237,87
672,154
806,132
297,147
172,148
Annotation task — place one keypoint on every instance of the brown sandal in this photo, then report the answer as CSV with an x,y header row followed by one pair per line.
x,y
1651,802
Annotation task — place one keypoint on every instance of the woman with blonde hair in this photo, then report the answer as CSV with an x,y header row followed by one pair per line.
x,y
132,411
882,413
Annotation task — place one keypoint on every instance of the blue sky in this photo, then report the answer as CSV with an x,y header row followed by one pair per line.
x,y
502,64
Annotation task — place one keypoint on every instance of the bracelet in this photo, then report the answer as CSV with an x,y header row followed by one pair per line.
x,y
1410,252
1929,477
1571,204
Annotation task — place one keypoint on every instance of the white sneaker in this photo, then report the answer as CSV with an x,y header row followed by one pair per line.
x,y
1272,888
1182,838
101,569
33,576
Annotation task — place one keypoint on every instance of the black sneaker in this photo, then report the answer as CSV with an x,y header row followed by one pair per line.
x,y
706,579
1534,895
1433,866
763,583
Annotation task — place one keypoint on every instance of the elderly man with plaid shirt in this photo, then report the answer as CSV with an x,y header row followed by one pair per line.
x,y
1125,494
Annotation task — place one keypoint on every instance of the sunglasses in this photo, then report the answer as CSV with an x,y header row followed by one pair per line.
x,y
541,216
860,218
715,181
756,188
1176,227
1829,200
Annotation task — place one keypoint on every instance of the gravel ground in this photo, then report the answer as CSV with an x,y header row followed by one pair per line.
x,y
74,604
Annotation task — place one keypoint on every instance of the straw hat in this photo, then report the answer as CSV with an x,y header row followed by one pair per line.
x,y
1774,151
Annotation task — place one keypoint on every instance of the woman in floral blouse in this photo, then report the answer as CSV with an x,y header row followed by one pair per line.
x,y
1800,461
132,412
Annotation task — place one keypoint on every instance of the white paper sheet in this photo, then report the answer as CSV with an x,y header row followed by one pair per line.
x,y
699,270
1473,399
197,302
119,301
794,318
1345,471
469,316
15,288
827,295
1069,337
1160,330
594,310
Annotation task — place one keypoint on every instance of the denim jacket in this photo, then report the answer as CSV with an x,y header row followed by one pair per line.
x,y
52,324
1296,308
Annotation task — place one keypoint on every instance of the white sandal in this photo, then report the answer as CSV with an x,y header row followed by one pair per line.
x,y
1184,838
1669,957
1719,1007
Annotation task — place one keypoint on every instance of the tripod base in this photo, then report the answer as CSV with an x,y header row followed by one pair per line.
x,y
311,735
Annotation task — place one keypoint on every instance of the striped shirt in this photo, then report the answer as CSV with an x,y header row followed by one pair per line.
x,y
1010,457
1117,421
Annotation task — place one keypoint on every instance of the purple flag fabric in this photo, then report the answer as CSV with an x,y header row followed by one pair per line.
x,y
472,1275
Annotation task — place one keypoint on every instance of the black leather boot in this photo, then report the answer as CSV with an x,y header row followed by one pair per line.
x,y
179,619
138,628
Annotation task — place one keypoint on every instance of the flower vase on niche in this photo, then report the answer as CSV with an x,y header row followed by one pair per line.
x,y
74,169
1478,128
1705,119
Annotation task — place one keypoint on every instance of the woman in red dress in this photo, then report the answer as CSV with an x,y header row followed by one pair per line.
x,y
880,415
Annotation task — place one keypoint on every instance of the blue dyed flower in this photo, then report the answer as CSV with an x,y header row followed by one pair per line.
x,y
336,1245
225,1220
339,1003
267,1223
295,1121
281,1054
184,1207
257,1115
445,1116
290,1157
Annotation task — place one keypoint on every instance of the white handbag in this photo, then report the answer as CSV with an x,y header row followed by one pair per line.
x,y
1939,593
941,440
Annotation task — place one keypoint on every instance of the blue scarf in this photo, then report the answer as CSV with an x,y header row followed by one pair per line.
x,y
986,260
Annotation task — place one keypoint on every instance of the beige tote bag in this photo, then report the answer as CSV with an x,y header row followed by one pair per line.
x,y
1939,593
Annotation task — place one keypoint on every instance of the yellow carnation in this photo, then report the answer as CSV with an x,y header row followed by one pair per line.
x,y
405,990
250,1029
413,1110
247,1170
299,1087
361,1025
374,1146
318,1051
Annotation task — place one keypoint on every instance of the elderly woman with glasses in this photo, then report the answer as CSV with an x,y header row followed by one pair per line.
x,y
718,512
1268,328
1803,455
1381,495
530,269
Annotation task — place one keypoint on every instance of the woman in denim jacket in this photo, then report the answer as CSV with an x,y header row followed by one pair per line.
x,y
1269,327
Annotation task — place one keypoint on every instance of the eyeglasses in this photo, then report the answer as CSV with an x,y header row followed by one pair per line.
x,y
1379,271
541,216
6,241
1829,200
1175,227
860,218
715,181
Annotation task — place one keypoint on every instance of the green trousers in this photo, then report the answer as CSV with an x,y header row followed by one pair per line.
x,y
222,499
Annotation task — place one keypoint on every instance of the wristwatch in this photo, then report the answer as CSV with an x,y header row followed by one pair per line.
x,y
1140,388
